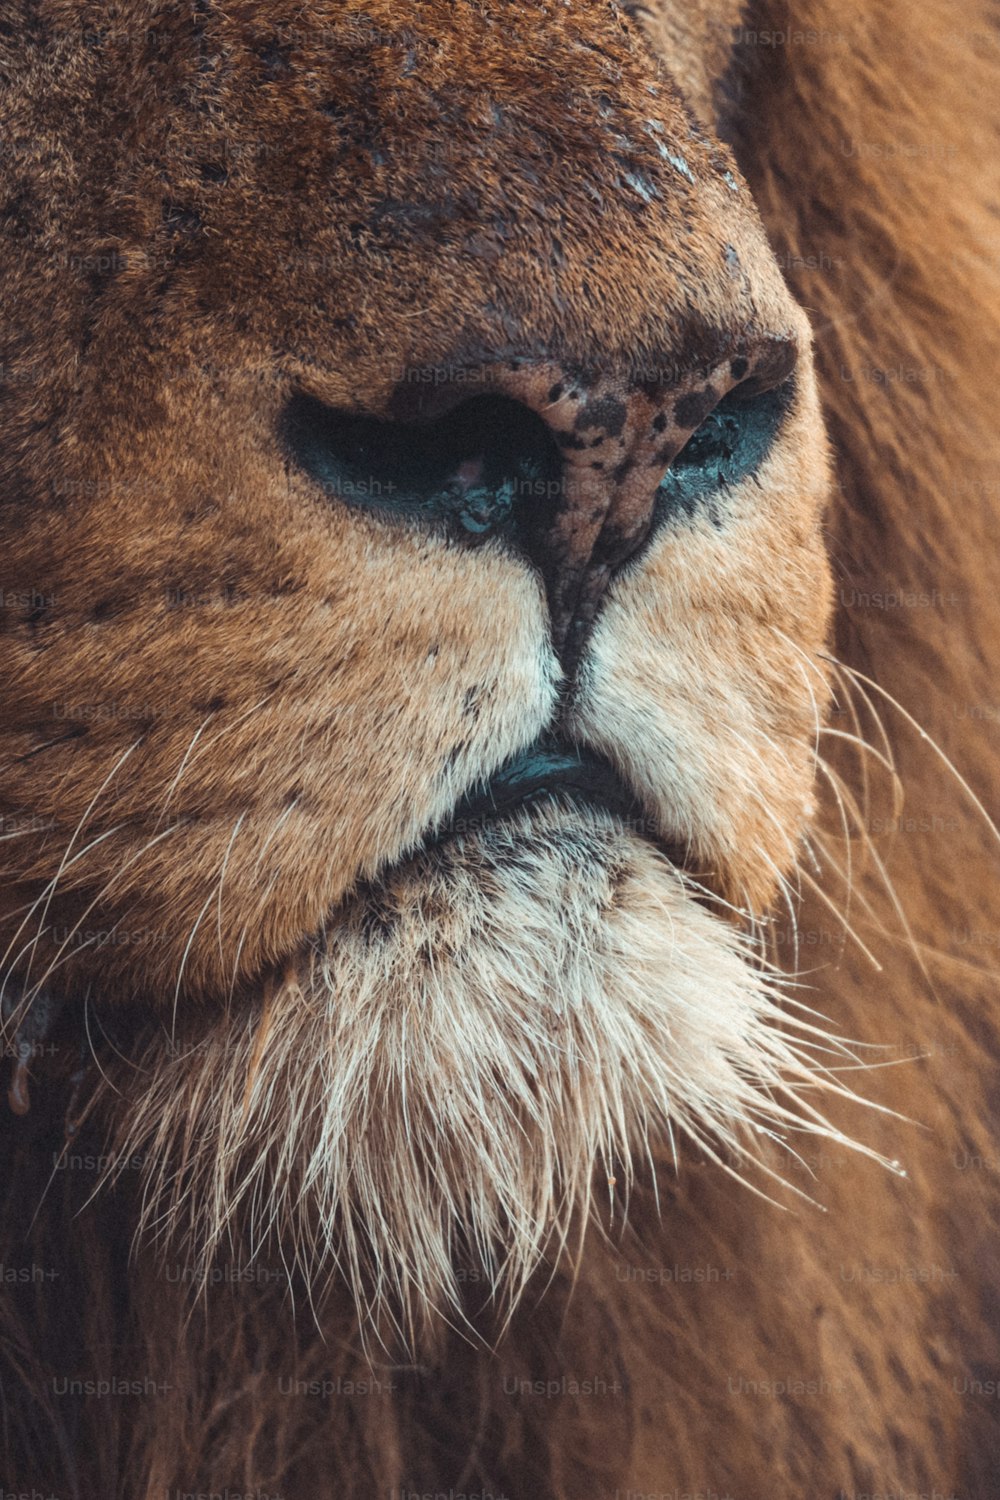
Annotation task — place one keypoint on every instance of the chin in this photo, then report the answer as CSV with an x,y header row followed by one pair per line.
x,y
479,1049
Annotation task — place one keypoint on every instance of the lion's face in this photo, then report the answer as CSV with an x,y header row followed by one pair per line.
x,y
412,422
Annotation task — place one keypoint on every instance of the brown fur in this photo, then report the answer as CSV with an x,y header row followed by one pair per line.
x,y
255,672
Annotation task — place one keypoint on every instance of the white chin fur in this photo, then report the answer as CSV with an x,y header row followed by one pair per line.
x,y
474,1037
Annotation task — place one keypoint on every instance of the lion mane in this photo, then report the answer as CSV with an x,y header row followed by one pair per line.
x,y
240,1252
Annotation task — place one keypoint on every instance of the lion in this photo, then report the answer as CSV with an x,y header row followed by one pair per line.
x,y
498,749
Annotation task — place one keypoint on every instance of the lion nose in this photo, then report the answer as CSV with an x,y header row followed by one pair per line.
x,y
574,470
636,454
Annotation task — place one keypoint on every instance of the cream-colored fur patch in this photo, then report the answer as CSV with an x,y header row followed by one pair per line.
x,y
471,1037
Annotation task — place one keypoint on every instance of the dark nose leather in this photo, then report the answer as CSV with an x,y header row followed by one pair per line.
x,y
633,455
574,470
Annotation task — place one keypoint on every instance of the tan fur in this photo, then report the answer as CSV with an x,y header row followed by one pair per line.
x,y
345,1093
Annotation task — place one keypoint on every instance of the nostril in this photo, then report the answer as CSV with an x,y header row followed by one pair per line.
x,y
488,466
729,446
562,465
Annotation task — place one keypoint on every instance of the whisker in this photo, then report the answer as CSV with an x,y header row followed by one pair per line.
x,y
934,746
49,892
101,896
884,877
848,927
222,876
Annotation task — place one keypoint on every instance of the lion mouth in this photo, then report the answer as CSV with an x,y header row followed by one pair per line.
x,y
548,771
